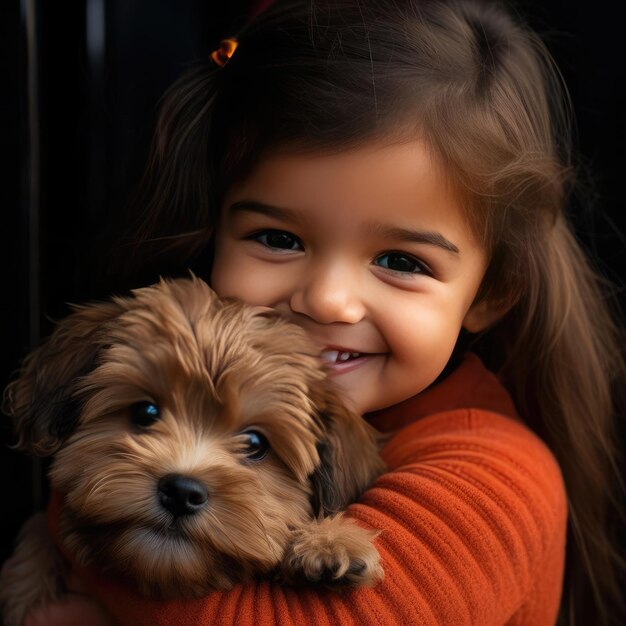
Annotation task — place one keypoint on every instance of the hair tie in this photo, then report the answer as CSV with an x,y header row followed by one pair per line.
x,y
224,52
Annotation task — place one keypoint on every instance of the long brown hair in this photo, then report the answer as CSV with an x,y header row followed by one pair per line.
x,y
482,91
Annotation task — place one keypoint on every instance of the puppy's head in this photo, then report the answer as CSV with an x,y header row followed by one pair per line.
x,y
189,434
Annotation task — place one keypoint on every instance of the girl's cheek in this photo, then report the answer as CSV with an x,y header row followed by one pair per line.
x,y
236,278
224,270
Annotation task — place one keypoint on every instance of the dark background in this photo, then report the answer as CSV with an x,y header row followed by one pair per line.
x,y
70,164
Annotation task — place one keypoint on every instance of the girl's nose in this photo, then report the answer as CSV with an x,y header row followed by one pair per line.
x,y
329,294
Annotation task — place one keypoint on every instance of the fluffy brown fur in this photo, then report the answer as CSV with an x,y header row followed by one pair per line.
x,y
215,370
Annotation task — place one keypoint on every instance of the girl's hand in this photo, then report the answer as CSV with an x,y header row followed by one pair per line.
x,y
77,608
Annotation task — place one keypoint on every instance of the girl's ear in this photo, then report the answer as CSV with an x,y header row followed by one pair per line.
x,y
483,314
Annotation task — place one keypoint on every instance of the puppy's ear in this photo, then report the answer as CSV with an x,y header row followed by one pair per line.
x,y
41,400
349,459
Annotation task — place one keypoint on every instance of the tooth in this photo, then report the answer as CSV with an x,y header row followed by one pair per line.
x,y
343,356
355,355
330,355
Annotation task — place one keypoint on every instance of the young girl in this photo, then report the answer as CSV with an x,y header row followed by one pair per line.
x,y
393,175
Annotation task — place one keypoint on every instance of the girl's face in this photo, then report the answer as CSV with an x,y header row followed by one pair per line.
x,y
368,251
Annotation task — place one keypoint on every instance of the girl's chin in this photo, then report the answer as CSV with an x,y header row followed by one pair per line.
x,y
356,383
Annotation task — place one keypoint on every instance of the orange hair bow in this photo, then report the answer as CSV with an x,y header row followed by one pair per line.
x,y
224,52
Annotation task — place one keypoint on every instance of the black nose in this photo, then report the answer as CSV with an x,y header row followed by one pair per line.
x,y
181,495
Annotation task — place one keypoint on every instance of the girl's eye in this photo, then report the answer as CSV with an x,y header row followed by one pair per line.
x,y
278,239
255,445
144,414
401,262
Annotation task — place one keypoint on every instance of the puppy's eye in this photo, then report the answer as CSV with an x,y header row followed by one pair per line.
x,y
255,445
144,414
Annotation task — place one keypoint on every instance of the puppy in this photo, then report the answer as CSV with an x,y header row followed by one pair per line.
x,y
197,441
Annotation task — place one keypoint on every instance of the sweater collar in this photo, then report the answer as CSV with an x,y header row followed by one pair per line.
x,y
470,385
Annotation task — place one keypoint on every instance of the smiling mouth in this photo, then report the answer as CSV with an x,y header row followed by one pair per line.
x,y
336,356
344,361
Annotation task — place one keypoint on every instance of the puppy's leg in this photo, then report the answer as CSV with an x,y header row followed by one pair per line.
x,y
34,575
333,550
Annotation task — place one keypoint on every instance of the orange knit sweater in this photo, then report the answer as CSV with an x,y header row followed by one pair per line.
x,y
473,519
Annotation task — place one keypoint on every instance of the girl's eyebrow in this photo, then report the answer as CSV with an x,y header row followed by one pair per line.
x,y
433,238
254,206
378,229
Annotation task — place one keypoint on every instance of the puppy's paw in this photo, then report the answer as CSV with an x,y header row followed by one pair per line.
x,y
333,551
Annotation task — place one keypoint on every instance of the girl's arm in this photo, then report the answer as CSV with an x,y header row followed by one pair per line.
x,y
473,520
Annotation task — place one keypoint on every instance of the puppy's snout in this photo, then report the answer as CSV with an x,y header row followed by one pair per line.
x,y
181,495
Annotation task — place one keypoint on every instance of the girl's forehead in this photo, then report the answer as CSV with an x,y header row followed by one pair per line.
x,y
374,183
